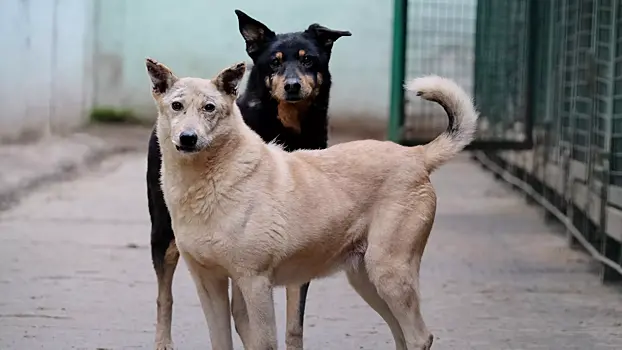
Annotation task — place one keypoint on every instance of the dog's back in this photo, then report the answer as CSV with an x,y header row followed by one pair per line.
x,y
323,200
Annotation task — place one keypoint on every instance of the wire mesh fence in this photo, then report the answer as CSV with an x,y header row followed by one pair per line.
x,y
440,40
502,37
442,37
546,75
559,62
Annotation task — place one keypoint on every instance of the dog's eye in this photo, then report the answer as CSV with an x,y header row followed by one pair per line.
x,y
177,106
306,61
209,107
275,63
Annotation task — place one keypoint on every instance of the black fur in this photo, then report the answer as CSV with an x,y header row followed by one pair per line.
x,y
259,110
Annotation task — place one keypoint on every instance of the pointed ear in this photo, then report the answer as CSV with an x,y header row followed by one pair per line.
x,y
326,37
228,80
162,78
255,33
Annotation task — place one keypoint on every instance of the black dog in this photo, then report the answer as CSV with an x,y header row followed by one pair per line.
x,y
286,100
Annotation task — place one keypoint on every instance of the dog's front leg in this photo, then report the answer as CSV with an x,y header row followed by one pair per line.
x,y
240,314
213,291
257,293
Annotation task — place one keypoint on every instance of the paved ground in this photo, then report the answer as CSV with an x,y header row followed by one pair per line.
x,y
75,273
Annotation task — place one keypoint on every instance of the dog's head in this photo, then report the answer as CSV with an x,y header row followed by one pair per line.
x,y
293,66
194,113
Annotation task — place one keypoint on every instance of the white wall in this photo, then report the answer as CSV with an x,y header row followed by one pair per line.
x,y
46,72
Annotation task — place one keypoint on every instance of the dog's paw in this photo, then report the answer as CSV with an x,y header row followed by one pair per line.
x,y
428,344
293,344
164,345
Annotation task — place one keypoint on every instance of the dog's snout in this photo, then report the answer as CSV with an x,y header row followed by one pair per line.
x,y
188,139
292,86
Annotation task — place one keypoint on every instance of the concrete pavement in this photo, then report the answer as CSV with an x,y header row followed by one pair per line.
x,y
75,273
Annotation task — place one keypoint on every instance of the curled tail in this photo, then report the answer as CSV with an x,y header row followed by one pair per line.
x,y
460,111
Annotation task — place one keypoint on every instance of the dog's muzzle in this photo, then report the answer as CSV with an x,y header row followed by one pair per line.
x,y
187,142
292,89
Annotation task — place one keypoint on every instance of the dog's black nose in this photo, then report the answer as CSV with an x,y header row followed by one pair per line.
x,y
188,139
292,86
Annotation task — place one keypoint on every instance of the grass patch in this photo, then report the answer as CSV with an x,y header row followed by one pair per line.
x,y
110,115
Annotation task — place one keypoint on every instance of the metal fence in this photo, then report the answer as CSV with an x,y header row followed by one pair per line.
x,y
547,78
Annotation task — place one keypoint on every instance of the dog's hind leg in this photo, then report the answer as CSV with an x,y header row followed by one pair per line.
x,y
165,269
296,301
164,254
396,242
399,288
362,285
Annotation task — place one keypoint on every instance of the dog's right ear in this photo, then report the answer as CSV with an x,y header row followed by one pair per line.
x,y
162,78
255,33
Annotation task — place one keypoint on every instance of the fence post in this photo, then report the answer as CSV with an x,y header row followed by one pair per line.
x,y
607,247
398,70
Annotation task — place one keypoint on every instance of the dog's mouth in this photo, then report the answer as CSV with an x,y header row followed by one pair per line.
x,y
293,98
186,149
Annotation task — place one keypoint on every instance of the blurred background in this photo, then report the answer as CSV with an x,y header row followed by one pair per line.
x,y
70,57
545,74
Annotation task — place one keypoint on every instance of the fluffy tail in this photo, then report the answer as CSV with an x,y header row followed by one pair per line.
x,y
460,111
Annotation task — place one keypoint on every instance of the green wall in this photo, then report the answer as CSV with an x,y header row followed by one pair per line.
x,y
200,37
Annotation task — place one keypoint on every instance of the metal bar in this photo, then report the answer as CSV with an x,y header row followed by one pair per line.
x,y
481,35
608,274
398,69
533,36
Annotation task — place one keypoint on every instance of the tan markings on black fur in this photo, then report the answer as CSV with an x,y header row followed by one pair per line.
x,y
277,86
308,83
279,55
451,127
319,79
289,114
301,53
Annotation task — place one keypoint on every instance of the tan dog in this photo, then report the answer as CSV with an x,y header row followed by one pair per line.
x,y
249,211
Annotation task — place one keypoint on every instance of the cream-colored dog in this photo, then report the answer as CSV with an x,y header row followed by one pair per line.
x,y
249,211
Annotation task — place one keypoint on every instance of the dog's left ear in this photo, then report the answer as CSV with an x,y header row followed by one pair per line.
x,y
326,37
162,78
228,80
